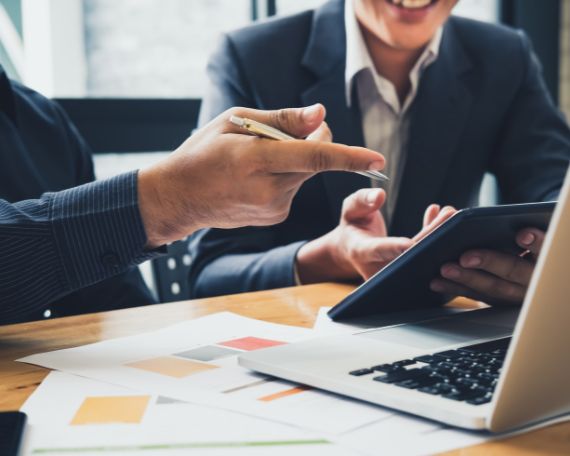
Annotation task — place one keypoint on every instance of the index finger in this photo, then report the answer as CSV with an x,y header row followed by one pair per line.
x,y
446,213
316,156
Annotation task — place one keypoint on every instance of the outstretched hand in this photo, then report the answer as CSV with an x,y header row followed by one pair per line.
x,y
223,177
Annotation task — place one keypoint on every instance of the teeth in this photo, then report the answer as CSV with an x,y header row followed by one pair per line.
x,y
412,4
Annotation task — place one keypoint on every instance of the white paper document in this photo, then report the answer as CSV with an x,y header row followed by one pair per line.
x,y
70,415
196,361
180,389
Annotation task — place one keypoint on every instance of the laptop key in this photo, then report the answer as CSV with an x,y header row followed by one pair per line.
x,y
448,354
404,362
462,395
402,375
360,372
387,368
430,390
428,359
479,400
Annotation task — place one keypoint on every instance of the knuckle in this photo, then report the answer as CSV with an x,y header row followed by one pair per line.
x,y
512,270
283,119
507,290
319,161
349,201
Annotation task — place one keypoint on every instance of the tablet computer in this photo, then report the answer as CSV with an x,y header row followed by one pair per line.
x,y
404,283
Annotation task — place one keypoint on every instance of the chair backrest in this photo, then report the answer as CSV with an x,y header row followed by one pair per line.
x,y
142,125
171,272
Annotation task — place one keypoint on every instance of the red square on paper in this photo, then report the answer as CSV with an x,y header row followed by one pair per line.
x,y
251,343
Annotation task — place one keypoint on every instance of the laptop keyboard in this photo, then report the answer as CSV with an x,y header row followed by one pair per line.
x,y
467,374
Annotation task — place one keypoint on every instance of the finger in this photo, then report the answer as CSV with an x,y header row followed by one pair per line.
x,y
322,133
531,239
446,213
508,267
313,156
362,203
452,289
430,214
484,283
386,249
368,270
297,122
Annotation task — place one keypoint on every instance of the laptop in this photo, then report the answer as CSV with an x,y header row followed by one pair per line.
x,y
497,369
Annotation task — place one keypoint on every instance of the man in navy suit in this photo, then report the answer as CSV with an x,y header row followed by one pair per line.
x,y
444,99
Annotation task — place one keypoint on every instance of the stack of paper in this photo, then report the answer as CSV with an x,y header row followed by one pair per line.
x,y
180,388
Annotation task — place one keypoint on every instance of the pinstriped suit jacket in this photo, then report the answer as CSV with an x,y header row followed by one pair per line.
x,y
69,251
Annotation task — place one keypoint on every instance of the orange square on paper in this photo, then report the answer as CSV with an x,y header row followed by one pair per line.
x,y
251,343
171,367
111,409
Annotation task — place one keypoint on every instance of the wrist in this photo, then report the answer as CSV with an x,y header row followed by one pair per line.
x,y
160,214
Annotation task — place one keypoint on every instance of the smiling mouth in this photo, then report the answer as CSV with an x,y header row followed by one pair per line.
x,y
412,4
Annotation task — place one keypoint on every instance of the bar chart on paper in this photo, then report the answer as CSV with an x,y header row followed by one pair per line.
x,y
74,415
196,361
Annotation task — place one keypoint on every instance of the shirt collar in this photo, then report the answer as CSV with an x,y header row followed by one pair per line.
x,y
358,58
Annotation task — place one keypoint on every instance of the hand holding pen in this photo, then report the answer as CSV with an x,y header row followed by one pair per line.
x,y
222,178
266,131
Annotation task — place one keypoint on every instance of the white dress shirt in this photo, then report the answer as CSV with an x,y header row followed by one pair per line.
x,y
385,122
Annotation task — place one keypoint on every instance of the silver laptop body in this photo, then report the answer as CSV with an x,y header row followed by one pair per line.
x,y
533,383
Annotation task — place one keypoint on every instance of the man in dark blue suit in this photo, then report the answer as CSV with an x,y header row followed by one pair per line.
x,y
445,99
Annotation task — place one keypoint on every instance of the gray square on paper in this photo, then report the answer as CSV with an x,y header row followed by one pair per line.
x,y
208,353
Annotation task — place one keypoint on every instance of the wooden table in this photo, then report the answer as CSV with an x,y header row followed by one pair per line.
x,y
292,306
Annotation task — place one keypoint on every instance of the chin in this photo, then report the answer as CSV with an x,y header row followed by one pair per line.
x,y
405,24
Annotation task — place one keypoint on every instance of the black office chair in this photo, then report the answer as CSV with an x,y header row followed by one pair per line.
x,y
142,125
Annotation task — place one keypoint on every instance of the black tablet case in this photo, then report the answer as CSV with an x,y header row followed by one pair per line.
x,y
404,283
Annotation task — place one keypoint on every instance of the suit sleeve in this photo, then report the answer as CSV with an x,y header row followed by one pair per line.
x,y
68,240
124,290
247,259
534,151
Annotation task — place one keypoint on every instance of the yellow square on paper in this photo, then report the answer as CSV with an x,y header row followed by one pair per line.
x,y
172,367
111,409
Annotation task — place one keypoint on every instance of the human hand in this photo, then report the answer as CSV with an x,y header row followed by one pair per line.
x,y
434,216
222,177
491,276
357,248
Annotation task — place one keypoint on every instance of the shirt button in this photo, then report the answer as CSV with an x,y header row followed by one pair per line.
x,y
110,259
47,313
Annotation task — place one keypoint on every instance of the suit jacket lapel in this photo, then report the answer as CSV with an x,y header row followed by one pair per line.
x,y
438,116
325,57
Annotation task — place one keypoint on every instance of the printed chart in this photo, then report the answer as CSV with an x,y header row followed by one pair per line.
x,y
196,362
73,415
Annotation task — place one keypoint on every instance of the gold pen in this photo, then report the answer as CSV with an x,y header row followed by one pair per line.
x,y
265,131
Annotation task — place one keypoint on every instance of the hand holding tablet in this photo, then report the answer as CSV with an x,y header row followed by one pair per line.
x,y
405,282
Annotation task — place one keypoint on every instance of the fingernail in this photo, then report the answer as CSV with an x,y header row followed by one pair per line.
x,y
451,272
311,113
528,238
436,286
372,196
473,261
376,166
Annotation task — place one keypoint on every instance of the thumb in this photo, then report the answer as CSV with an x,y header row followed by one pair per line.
x,y
297,122
362,203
